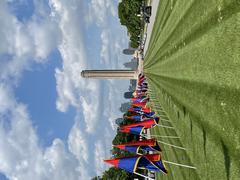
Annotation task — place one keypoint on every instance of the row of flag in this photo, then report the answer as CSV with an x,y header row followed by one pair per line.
x,y
147,150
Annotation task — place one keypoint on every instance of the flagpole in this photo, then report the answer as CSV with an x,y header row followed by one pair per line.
x,y
144,119
168,127
182,165
172,145
171,137
163,116
143,176
143,135
161,111
164,120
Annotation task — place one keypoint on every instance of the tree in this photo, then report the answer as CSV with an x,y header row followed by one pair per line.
x,y
116,173
96,178
128,11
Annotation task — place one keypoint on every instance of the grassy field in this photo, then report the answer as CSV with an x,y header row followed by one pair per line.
x,y
193,68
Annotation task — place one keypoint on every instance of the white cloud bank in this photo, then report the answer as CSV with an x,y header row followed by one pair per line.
x,y
21,157
22,44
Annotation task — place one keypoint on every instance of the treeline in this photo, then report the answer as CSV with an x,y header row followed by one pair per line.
x,y
128,13
116,173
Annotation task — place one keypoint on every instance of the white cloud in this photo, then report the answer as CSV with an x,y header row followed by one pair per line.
x,y
72,89
45,38
65,87
91,112
105,56
79,147
21,157
100,10
63,164
100,154
5,103
77,143
25,43
72,51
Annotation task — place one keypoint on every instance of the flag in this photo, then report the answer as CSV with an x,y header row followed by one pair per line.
x,y
146,124
146,109
135,117
139,109
142,118
153,117
139,104
147,142
132,149
136,146
134,109
137,130
140,113
130,164
140,99
156,159
149,114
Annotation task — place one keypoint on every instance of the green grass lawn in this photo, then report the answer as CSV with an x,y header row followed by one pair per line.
x,y
193,68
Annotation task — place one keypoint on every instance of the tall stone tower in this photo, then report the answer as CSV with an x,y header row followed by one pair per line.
x,y
110,74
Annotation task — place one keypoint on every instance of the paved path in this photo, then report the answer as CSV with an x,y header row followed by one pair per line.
x,y
154,5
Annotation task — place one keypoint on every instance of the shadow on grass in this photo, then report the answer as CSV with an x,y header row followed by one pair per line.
x,y
227,160
191,126
204,141
184,111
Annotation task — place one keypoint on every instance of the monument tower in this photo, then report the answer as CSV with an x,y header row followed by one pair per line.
x,y
110,74
115,73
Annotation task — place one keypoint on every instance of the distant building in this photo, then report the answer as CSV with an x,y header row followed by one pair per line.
x,y
128,51
124,107
131,89
118,121
133,64
128,95
133,84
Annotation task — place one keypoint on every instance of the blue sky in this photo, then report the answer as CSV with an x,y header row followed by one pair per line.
x,y
53,123
37,89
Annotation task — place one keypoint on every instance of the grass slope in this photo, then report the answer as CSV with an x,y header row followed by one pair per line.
x,y
193,68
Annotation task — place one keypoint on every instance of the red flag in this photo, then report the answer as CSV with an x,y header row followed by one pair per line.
x,y
146,124
147,142
139,104
151,162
